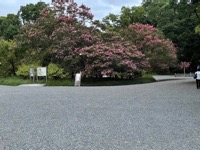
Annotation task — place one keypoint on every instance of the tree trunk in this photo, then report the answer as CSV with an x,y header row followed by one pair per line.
x,y
13,67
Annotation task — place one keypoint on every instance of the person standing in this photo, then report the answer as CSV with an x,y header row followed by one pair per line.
x,y
197,77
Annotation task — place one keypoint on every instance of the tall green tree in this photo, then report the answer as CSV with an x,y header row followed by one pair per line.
x,y
31,12
9,57
9,26
197,28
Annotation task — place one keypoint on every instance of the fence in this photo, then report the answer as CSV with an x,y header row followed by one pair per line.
x,y
184,75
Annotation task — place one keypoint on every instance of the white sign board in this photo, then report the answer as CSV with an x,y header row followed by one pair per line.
x,y
41,71
77,79
31,71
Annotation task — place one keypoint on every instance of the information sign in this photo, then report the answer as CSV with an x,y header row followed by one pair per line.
x,y
77,79
32,72
41,71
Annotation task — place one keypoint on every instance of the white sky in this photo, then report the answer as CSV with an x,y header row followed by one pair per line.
x,y
100,8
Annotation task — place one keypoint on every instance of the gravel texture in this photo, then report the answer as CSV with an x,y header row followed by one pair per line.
x,y
156,116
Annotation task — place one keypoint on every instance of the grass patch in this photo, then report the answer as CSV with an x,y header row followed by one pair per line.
x,y
14,81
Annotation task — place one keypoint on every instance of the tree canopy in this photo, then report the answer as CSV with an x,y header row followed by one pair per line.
x,y
31,12
148,37
179,22
9,26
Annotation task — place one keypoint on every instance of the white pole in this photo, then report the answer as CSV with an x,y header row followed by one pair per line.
x,y
184,71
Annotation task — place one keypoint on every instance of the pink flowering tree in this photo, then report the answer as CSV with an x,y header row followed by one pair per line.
x,y
160,52
97,56
119,59
66,35
68,40
184,65
71,35
60,29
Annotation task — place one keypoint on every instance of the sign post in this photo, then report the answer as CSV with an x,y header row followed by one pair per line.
x,y
78,79
32,73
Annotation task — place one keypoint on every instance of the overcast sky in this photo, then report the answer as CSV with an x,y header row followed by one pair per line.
x,y
100,8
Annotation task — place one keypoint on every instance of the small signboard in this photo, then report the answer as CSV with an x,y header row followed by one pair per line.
x,y
31,72
77,79
42,72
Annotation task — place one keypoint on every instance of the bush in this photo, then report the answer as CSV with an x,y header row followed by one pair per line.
x,y
55,72
23,70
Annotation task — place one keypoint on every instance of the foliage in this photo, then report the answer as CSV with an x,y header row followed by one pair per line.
x,y
33,38
31,12
79,47
68,40
58,31
197,29
184,65
178,22
61,34
55,72
116,57
197,12
9,26
160,52
23,69
110,22
128,15
9,57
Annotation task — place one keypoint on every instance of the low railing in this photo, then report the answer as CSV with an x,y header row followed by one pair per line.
x,y
184,75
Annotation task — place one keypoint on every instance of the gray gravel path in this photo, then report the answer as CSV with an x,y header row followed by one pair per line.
x,y
157,116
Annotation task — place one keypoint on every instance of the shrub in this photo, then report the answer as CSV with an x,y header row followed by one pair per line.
x,y
23,70
55,71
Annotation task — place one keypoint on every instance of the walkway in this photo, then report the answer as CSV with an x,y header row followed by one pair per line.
x,y
155,116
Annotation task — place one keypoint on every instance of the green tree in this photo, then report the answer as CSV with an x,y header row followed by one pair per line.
x,y
2,19
9,57
110,22
179,27
127,16
197,12
9,26
31,12
33,38
133,14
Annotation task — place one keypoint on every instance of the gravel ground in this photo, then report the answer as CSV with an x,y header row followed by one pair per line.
x,y
156,116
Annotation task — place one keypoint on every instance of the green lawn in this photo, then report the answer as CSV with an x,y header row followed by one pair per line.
x,y
14,81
